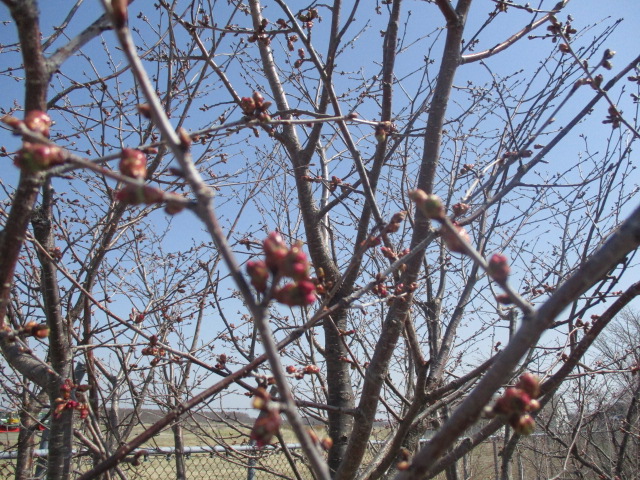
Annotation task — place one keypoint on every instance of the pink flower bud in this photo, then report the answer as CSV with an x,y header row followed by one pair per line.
x,y
133,163
34,157
38,121
275,250
295,263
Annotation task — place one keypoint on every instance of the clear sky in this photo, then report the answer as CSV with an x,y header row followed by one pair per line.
x,y
625,41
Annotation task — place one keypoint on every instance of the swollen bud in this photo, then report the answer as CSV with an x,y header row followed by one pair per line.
x,y
524,424
455,240
275,250
136,195
499,268
430,205
38,121
133,163
34,157
259,274
530,384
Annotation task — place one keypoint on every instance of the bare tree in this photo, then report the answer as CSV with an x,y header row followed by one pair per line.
x,y
379,219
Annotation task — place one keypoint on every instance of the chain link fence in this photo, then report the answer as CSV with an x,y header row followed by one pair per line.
x,y
535,458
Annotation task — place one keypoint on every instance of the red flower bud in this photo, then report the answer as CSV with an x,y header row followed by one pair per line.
x,y
311,369
258,99
460,209
248,105
517,399
138,194
297,294
265,427
259,274
499,268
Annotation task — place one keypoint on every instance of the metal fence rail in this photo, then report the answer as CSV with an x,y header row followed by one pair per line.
x,y
242,462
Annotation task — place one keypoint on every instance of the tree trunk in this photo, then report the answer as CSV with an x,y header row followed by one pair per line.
x,y
26,438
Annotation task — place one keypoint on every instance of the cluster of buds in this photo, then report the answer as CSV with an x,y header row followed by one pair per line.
x,y
300,372
256,107
137,317
614,117
460,209
35,329
36,121
595,82
557,30
308,17
268,422
261,33
517,402
584,325
432,207
606,58
222,361
301,58
153,350
383,130
139,194
283,261
516,154
467,168
147,195
133,163
35,157
392,227
380,289
65,402
323,285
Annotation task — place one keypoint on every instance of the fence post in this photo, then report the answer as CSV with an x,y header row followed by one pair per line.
x,y
495,458
252,462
